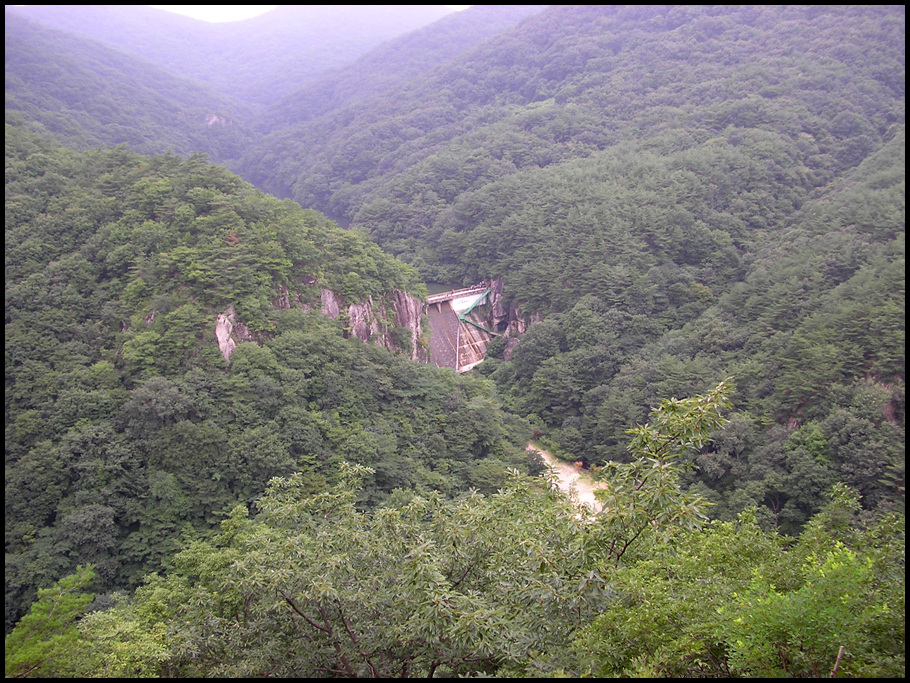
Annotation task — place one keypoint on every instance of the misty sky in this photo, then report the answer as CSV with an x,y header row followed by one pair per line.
x,y
218,12
234,12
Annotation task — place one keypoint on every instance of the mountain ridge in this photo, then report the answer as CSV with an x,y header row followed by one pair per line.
x,y
695,208
208,52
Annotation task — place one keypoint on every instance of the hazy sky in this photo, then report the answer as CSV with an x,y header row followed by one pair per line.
x,y
234,12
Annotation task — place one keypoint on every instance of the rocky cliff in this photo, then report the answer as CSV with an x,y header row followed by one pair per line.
x,y
393,322
506,317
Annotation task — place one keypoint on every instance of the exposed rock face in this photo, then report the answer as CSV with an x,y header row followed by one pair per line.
x,y
331,304
409,316
214,119
223,329
395,322
227,329
499,310
361,321
507,318
374,321
366,320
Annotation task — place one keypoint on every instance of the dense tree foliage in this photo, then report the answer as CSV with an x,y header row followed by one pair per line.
x,y
670,196
518,583
572,81
125,428
394,63
683,194
734,601
43,643
814,332
86,94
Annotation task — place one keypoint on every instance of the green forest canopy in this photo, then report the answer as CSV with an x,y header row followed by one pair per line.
x,y
125,427
517,584
678,195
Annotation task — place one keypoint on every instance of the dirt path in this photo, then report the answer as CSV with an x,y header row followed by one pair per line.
x,y
571,477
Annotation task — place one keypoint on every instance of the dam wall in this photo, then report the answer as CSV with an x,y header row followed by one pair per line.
x,y
460,327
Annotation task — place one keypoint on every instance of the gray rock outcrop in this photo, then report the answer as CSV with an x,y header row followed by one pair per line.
x,y
370,320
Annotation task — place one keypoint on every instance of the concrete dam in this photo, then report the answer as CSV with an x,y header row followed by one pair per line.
x,y
460,326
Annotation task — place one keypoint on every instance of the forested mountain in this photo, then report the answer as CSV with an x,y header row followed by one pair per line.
x,y
172,83
696,211
571,81
814,334
125,426
682,194
395,62
255,61
86,95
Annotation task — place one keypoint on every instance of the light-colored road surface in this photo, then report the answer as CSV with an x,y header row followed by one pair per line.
x,y
571,477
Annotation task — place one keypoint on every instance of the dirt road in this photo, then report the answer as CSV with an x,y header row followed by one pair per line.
x,y
571,477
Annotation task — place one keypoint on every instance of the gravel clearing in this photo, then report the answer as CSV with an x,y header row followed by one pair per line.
x,y
572,478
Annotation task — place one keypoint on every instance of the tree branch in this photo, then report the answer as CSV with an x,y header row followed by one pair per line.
x,y
312,623
337,645
366,657
433,666
837,663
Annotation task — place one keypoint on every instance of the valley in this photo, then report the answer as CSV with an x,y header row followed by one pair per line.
x,y
249,435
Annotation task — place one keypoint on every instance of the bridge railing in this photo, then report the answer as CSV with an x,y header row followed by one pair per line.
x,y
453,294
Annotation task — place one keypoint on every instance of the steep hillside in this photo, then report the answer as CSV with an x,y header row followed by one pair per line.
x,y
255,61
633,176
647,178
572,81
395,62
223,461
87,94
132,417
814,335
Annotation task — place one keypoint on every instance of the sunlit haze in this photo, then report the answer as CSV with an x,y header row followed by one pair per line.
x,y
220,13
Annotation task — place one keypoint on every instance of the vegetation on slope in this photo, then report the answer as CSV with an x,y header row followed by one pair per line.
x,y
394,63
682,194
255,61
678,194
516,584
570,81
814,334
86,95
125,428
